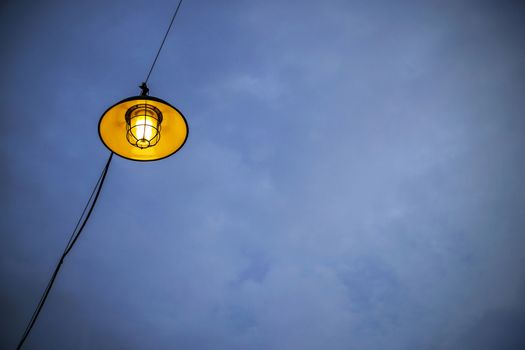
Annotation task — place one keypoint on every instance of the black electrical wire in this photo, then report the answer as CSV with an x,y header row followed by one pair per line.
x,y
163,40
72,240
90,204
73,234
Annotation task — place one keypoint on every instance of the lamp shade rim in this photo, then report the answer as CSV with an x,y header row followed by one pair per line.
x,y
126,155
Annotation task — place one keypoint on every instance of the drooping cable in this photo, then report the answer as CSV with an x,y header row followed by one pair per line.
x,y
90,204
72,240
73,234
163,40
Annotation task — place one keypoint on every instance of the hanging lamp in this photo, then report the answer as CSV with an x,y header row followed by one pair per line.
x,y
143,128
140,128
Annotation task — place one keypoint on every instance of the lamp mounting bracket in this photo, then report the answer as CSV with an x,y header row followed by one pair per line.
x,y
145,89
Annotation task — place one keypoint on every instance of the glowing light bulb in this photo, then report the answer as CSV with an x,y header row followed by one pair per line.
x,y
143,125
143,129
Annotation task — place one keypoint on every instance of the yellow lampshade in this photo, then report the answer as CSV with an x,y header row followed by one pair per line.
x,y
143,128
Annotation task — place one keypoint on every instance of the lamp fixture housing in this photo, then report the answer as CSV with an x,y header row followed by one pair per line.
x,y
132,128
143,123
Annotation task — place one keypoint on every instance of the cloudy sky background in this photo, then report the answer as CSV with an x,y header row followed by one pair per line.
x,y
354,176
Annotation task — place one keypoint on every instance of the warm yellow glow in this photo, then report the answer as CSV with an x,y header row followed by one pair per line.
x,y
142,129
161,126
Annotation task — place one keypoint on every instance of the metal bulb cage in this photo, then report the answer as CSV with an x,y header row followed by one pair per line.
x,y
143,124
131,128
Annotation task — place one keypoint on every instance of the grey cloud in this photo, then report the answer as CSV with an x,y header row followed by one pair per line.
x,y
353,176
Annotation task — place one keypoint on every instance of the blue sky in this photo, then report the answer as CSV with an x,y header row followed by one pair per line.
x,y
353,178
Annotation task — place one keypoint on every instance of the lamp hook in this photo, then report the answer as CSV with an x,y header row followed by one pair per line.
x,y
145,89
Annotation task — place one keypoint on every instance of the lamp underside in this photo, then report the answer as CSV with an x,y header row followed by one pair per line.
x,y
112,130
